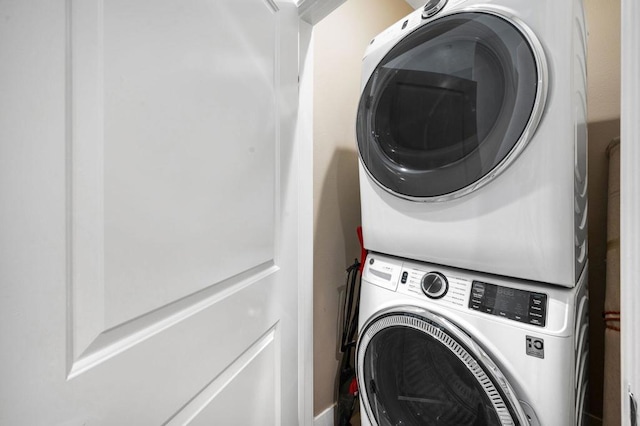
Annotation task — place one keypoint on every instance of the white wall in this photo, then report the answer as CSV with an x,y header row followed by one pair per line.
x,y
603,62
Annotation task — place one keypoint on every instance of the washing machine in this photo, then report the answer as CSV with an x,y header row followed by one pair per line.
x,y
471,133
444,346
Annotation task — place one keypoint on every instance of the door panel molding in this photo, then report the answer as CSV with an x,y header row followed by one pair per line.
x,y
85,175
91,338
269,341
114,341
272,5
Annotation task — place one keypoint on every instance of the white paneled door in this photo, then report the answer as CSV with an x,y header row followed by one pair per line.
x,y
149,212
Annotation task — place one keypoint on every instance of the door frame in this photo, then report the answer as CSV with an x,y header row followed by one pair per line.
x,y
630,206
304,133
310,12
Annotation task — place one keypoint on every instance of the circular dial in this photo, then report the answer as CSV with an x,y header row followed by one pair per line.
x,y
434,285
432,7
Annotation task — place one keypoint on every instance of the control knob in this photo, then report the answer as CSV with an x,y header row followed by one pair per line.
x,y
432,7
434,285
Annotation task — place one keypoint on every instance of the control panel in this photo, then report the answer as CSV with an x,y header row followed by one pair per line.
x,y
518,305
458,289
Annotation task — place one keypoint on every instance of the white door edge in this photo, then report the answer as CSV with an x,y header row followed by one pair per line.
x,y
630,206
305,231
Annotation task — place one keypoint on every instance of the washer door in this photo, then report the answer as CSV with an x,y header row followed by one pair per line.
x,y
416,368
451,105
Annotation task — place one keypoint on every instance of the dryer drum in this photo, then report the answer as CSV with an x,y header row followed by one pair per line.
x,y
413,372
450,105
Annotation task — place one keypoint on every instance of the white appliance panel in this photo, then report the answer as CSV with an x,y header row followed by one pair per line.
x,y
550,387
530,220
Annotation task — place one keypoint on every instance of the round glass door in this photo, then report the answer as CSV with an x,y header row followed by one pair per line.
x,y
451,105
413,371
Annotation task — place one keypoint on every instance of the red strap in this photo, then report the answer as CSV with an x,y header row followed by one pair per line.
x,y
363,251
353,387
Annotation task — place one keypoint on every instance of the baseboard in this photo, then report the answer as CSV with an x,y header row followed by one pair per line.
x,y
325,418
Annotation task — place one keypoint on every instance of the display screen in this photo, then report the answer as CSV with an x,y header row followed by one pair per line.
x,y
511,303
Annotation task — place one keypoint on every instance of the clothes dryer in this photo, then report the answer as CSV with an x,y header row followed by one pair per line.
x,y
444,346
472,138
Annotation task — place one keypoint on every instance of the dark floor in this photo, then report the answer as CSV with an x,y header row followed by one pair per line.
x,y
355,420
594,421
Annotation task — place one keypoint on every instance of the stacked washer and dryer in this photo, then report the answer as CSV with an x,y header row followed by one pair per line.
x,y
471,133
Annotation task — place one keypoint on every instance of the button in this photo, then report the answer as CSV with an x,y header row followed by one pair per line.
x,y
403,280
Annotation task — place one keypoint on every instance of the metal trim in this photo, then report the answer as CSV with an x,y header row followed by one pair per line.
x,y
534,119
467,350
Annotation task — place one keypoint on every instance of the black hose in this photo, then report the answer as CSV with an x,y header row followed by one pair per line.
x,y
347,400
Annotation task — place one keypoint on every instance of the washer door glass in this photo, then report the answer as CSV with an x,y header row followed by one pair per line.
x,y
425,377
449,104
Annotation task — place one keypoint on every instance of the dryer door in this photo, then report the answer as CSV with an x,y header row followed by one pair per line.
x,y
417,368
451,105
